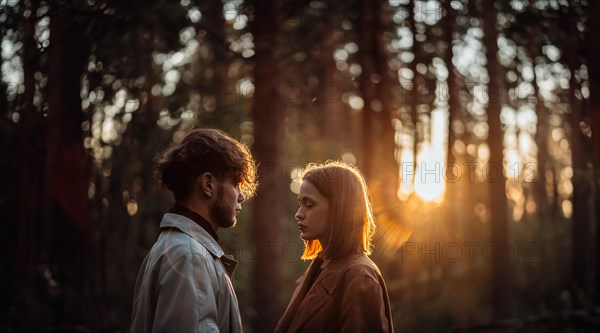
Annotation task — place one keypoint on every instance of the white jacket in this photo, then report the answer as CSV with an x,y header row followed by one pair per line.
x,y
183,285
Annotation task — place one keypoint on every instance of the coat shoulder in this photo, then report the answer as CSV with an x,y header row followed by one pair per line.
x,y
359,267
362,266
176,245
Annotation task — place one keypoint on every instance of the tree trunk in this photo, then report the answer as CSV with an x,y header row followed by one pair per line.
x,y
415,93
220,59
386,166
541,133
368,89
451,194
594,75
376,84
581,226
495,175
541,141
66,161
27,186
267,113
328,97
452,95
66,215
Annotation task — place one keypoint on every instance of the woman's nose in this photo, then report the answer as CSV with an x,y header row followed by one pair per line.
x,y
299,215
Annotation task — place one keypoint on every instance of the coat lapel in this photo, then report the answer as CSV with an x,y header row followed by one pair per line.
x,y
315,299
321,291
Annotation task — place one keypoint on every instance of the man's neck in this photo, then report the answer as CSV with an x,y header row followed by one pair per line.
x,y
201,209
180,209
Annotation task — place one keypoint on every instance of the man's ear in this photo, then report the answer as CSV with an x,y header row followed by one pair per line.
x,y
208,184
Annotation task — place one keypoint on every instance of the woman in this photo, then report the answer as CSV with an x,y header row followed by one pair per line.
x,y
342,290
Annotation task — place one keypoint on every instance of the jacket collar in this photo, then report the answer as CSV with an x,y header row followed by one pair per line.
x,y
322,289
190,228
180,209
194,230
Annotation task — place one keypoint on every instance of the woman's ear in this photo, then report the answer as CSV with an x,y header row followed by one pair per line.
x,y
207,183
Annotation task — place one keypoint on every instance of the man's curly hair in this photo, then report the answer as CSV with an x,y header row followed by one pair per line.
x,y
206,150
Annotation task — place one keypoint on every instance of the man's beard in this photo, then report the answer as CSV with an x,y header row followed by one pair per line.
x,y
221,214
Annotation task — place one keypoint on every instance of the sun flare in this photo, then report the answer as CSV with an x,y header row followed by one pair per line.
x,y
429,176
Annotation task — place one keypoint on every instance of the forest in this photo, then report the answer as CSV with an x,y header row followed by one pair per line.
x,y
475,123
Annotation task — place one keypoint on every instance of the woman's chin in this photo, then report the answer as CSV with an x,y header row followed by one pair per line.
x,y
305,236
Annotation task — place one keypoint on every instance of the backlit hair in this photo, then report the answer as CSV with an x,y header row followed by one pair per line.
x,y
206,150
351,224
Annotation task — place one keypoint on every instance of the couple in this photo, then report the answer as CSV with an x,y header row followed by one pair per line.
x,y
184,283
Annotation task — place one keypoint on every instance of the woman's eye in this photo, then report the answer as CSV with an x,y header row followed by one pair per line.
x,y
305,203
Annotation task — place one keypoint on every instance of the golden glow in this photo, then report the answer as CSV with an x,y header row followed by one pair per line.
x,y
406,176
482,212
518,212
567,208
424,175
295,175
132,207
515,193
531,206
295,187
429,177
356,102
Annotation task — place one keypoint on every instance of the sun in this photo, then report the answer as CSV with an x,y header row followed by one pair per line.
x,y
429,181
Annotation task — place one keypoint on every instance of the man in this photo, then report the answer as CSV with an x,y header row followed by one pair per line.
x,y
184,284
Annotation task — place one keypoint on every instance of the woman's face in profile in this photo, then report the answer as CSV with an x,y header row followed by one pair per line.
x,y
313,213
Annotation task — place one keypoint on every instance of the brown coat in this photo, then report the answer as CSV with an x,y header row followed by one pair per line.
x,y
349,295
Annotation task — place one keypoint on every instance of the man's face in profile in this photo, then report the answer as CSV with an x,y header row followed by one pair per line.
x,y
227,205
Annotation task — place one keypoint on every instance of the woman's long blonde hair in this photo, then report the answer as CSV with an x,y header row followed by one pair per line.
x,y
351,223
